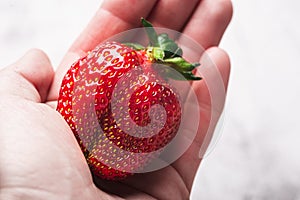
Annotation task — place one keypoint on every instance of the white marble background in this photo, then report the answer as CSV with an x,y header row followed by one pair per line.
x,y
257,156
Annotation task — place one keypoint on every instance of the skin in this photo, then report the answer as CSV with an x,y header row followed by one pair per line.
x,y
40,158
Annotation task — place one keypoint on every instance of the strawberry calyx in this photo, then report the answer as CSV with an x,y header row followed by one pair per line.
x,y
166,52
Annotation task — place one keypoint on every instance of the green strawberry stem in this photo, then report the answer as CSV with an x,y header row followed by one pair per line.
x,y
163,50
152,35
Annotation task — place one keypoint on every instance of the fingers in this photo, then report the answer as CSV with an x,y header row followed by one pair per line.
x,y
211,96
206,25
30,77
209,22
113,17
172,14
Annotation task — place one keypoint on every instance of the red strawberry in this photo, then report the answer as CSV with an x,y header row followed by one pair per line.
x,y
120,107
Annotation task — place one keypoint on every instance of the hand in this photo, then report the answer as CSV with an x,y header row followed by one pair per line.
x,y
41,159
203,20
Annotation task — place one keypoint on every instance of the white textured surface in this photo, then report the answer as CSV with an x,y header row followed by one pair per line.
x,y
257,156
50,25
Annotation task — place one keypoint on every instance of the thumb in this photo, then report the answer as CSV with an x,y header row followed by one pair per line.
x,y
29,78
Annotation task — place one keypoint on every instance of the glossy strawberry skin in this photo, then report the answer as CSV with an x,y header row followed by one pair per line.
x,y
110,100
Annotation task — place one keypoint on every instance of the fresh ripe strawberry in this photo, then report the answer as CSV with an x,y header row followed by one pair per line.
x,y
119,107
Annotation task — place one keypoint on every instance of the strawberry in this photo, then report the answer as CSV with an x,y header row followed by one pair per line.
x,y
119,104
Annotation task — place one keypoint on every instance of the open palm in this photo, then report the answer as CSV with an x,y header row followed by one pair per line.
x,y
41,154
